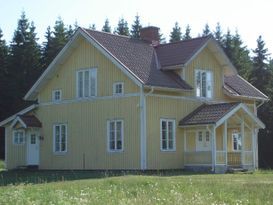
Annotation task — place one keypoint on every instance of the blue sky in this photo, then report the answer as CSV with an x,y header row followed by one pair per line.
x,y
251,17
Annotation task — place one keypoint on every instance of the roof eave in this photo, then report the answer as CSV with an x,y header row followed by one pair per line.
x,y
243,96
167,88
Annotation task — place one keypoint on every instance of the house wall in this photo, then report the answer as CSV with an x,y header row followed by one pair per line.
x,y
206,61
86,56
163,107
16,153
87,134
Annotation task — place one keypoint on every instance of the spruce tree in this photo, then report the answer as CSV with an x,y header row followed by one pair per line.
x,y
206,30
176,33
61,35
187,34
218,34
48,52
25,56
92,27
260,73
122,28
106,27
136,26
5,101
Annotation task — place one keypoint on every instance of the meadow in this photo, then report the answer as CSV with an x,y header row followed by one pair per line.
x,y
173,187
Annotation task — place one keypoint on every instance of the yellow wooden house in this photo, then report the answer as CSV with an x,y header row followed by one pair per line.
x,y
110,102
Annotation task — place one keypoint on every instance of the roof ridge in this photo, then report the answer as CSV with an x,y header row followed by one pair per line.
x,y
177,42
108,33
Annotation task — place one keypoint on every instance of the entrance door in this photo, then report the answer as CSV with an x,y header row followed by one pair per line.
x,y
33,149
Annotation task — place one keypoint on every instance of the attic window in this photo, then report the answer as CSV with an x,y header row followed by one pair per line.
x,y
203,83
118,88
56,95
87,83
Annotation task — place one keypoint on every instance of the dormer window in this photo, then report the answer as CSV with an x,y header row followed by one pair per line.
x,y
56,95
203,83
118,88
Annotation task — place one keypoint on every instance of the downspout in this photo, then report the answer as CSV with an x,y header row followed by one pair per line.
x,y
143,129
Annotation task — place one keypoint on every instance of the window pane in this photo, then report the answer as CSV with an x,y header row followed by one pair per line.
x,y
170,144
200,136
33,139
93,82
80,84
207,136
204,84
209,84
86,83
164,144
57,138
239,142
198,84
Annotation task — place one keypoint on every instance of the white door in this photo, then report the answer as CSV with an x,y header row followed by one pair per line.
x,y
33,148
203,141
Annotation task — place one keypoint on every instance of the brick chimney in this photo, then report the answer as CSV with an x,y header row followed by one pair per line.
x,y
150,34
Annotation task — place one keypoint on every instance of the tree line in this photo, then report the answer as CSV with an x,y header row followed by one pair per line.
x,y
23,60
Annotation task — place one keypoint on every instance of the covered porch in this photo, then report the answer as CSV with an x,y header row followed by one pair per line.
x,y
220,136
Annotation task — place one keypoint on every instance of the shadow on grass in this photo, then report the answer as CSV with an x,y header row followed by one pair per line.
x,y
45,176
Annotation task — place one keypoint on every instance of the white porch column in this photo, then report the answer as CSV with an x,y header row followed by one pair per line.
x,y
213,148
253,146
243,141
225,142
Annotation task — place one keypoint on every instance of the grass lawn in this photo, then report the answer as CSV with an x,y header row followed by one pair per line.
x,y
156,188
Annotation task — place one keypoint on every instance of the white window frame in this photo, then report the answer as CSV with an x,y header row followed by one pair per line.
x,y
54,138
54,95
211,84
174,135
114,88
236,134
23,136
205,145
92,71
122,136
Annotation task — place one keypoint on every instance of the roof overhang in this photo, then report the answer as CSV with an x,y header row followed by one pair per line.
x,y
18,120
65,52
22,112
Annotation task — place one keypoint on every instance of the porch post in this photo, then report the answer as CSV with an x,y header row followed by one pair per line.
x,y
253,145
243,141
213,151
225,141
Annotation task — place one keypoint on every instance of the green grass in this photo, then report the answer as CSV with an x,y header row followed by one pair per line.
x,y
138,188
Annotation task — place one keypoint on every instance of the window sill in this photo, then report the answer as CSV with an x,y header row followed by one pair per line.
x,y
115,151
60,153
168,150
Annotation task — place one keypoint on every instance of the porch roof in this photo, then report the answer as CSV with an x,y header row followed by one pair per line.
x,y
216,114
27,121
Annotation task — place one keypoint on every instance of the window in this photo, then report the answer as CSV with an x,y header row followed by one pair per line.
x,y
18,137
56,95
60,138
118,88
236,141
203,83
87,83
203,141
167,133
115,135
33,139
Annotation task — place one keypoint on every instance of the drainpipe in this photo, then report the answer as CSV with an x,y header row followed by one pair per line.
x,y
143,124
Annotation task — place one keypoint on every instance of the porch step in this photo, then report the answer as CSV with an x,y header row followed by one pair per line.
x,y
236,170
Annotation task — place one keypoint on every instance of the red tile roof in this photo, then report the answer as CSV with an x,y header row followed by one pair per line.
x,y
180,52
147,62
30,120
207,114
140,58
237,86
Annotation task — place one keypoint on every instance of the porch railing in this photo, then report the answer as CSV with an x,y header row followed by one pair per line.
x,y
234,158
